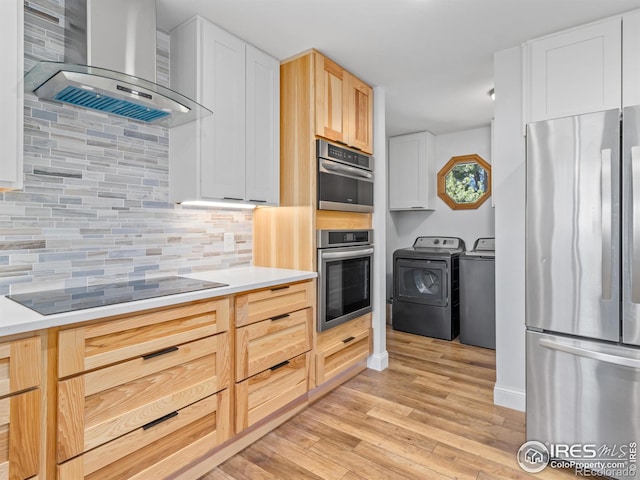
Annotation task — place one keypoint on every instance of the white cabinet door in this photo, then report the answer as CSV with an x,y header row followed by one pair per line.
x,y
233,155
412,179
262,128
11,94
222,162
631,59
576,71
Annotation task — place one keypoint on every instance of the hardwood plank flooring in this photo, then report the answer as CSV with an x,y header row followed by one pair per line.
x,y
430,415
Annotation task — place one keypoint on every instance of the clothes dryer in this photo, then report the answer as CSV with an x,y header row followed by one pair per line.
x,y
426,291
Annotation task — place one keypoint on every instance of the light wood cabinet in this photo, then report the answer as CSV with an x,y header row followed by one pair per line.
x,y
19,365
343,106
20,435
574,71
360,114
271,302
262,345
156,450
260,395
234,154
412,173
20,407
100,344
316,94
273,340
342,347
12,95
126,383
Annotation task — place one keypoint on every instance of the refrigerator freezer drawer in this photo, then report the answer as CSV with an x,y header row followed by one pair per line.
x,y
582,392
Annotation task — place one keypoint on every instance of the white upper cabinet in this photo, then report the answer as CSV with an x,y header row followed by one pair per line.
x,y
11,94
262,128
575,71
631,59
412,177
234,154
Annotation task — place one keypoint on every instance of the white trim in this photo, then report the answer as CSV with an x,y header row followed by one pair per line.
x,y
378,361
510,398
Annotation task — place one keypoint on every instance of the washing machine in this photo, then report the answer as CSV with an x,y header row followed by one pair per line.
x,y
426,287
478,295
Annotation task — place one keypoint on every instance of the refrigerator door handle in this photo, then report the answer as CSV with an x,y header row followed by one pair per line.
x,y
606,199
635,224
586,353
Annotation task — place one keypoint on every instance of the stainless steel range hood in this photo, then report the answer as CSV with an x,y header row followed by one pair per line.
x,y
110,65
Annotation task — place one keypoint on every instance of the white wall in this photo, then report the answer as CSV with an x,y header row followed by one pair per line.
x,y
404,227
509,185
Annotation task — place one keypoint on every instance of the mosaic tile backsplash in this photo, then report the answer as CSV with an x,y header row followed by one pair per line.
x,y
94,208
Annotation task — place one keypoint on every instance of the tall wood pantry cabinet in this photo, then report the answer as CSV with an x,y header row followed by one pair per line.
x,y
234,154
11,94
319,99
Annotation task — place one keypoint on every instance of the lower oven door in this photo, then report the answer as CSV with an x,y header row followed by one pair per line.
x,y
344,284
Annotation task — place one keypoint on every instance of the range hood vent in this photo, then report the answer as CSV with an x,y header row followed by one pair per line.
x,y
109,71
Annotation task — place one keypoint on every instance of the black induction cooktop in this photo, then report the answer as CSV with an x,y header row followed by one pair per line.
x,y
78,298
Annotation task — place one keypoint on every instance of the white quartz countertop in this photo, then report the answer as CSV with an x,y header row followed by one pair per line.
x,y
14,318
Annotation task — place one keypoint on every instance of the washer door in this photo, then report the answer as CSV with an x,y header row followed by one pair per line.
x,y
421,281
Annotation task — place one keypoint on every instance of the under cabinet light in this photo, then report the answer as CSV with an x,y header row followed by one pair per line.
x,y
206,203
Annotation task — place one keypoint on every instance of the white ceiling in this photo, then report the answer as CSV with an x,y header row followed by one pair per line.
x,y
434,57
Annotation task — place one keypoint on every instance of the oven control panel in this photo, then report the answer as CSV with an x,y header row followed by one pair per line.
x,y
344,238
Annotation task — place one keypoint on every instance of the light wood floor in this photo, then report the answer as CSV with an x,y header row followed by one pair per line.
x,y
430,415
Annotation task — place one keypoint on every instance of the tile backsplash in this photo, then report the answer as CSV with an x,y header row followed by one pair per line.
x,y
94,208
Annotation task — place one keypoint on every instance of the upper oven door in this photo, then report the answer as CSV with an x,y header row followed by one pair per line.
x,y
344,284
343,187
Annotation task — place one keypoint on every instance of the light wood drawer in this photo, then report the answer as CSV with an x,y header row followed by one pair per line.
x,y
260,305
20,435
160,449
19,365
92,346
342,347
264,393
99,406
262,345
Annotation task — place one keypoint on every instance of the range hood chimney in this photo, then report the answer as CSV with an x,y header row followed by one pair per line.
x,y
110,65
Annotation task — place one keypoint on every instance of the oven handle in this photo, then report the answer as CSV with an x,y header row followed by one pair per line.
x,y
351,254
346,170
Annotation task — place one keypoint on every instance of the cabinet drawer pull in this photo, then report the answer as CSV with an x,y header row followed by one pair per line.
x,y
159,420
280,317
347,340
160,352
280,365
233,198
275,289
257,201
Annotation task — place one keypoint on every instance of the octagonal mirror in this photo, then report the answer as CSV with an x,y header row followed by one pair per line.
x,y
465,182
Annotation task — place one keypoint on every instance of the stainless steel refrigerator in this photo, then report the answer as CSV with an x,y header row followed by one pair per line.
x,y
583,284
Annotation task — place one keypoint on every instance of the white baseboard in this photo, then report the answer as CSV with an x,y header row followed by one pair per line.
x,y
378,361
509,397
